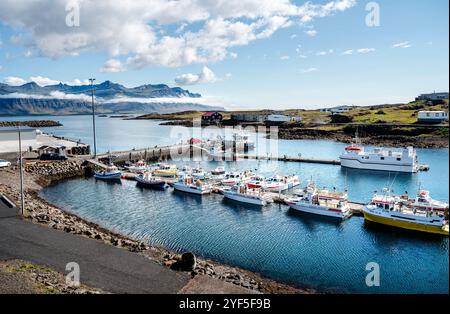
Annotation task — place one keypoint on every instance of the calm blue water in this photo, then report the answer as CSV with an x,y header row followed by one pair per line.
x,y
303,250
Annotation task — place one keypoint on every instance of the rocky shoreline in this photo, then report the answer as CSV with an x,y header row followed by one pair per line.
x,y
42,212
376,140
31,123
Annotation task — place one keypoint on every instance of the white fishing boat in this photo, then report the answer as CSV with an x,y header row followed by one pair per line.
x,y
218,171
110,173
189,185
243,194
423,201
281,183
231,178
166,170
396,211
395,160
147,180
199,174
138,167
256,182
321,202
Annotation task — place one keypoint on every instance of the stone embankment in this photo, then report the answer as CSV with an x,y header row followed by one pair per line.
x,y
41,212
31,123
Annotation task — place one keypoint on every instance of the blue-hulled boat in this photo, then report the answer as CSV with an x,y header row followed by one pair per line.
x,y
111,173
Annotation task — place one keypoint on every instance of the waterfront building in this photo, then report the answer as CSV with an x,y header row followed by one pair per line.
x,y
433,96
9,138
211,117
432,116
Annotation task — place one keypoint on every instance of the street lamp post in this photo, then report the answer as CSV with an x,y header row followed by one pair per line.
x,y
22,196
93,115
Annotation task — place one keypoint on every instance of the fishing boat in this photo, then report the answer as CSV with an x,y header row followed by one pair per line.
x,y
231,178
243,194
396,211
138,167
110,173
199,174
166,170
147,180
423,201
281,183
256,182
189,185
218,171
397,160
321,202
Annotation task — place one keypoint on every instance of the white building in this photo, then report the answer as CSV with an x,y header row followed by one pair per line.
x,y
278,118
432,116
433,96
9,139
338,109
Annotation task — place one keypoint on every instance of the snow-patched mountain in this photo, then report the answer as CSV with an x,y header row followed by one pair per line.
x,y
31,98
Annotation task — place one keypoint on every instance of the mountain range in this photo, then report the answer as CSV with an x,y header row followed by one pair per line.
x,y
31,98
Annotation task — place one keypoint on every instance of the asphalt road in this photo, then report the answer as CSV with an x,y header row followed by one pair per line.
x,y
101,266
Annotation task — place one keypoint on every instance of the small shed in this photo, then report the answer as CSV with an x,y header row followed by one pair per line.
x,y
59,150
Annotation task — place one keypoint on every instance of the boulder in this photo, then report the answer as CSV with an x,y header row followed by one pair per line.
x,y
186,263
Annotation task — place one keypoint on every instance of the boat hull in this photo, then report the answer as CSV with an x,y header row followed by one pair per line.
x,y
113,176
319,210
355,163
156,184
192,190
243,199
404,224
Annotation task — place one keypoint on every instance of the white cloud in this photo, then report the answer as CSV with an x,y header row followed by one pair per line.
x,y
310,70
365,50
1,67
311,32
43,81
325,52
284,57
14,81
135,28
404,44
348,52
113,66
293,36
52,95
205,76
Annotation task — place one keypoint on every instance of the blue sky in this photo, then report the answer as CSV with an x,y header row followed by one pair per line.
x,y
288,69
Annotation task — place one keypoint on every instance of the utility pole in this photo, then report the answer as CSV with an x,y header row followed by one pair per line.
x,y
22,196
93,115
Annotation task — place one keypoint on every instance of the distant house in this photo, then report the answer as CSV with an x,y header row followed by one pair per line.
x,y
296,119
432,116
277,118
211,117
338,109
248,117
433,96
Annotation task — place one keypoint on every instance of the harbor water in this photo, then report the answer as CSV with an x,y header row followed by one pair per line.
x,y
303,250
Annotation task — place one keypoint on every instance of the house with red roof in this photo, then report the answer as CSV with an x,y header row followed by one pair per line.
x,y
211,117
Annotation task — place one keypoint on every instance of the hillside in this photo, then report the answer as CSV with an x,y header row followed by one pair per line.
x,y
32,99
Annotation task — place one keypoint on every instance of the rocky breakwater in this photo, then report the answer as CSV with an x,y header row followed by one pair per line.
x,y
31,123
41,212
